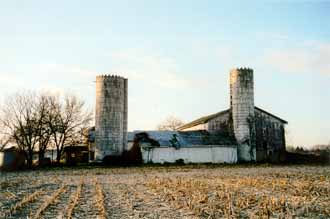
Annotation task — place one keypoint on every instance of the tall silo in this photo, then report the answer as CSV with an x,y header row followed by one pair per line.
x,y
111,116
242,109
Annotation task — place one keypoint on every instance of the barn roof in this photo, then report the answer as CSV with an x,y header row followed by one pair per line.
x,y
186,138
205,119
8,149
272,115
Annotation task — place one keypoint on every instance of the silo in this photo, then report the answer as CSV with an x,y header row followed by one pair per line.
x,y
111,116
242,109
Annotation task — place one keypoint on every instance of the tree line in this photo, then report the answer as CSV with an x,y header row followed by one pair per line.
x,y
37,121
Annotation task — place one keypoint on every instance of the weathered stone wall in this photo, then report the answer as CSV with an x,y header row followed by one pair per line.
x,y
242,108
270,137
219,124
111,116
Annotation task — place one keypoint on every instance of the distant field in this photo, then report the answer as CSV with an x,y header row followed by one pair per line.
x,y
168,192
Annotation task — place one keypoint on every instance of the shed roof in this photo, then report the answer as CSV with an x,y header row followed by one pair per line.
x,y
9,149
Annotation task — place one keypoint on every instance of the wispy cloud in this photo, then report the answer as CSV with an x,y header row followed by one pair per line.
x,y
308,57
272,36
10,80
50,77
156,70
8,83
49,69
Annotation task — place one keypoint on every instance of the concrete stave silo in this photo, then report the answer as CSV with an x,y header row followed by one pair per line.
x,y
111,116
242,109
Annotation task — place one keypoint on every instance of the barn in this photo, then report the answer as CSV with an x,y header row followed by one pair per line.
x,y
242,133
256,134
269,136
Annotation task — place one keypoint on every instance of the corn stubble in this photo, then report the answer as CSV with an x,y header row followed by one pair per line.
x,y
26,200
246,196
48,201
74,199
169,192
99,199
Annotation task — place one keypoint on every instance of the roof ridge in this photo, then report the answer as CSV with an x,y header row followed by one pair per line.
x,y
202,120
205,119
270,114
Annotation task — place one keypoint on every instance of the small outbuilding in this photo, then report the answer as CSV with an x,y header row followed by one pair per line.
x,y
76,154
11,159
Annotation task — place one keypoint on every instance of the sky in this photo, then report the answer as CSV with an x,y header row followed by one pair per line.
x,y
176,55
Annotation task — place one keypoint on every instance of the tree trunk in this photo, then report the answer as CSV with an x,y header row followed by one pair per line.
x,y
29,162
41,156
58,156
29,159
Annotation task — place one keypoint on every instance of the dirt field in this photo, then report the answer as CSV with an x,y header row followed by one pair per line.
x,y
168,192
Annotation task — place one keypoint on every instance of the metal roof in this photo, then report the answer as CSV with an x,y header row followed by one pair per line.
x,y
186,138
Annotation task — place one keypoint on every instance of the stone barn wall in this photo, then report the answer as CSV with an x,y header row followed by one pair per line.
x,y
270,137
220,123
111,116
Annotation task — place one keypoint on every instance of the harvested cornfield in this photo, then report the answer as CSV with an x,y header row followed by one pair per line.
x,y
168,192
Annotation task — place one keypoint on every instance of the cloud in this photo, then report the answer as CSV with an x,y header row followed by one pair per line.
x,y
47,69
57,91
156,84
60,78
272,36
51,77
10,80
158,71
308,57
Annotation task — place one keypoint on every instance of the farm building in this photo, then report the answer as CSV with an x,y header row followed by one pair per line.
x,y
11,159
187,147
242,133
268,135
76,154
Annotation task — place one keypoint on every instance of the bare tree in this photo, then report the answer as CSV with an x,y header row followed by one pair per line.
x,y
67,122
20,122
171,123
44,111
32,121
3,141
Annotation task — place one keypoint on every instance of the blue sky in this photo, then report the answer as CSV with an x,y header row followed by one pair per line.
x,y
176,55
